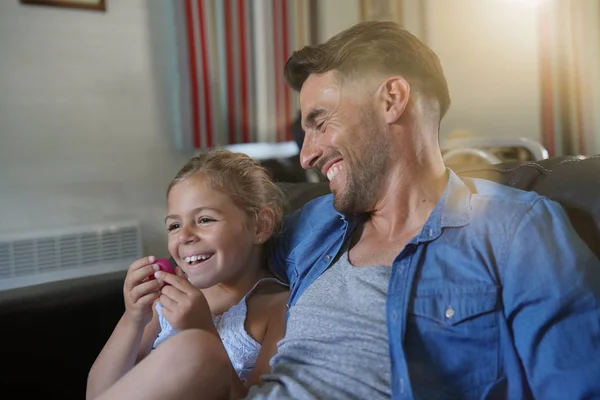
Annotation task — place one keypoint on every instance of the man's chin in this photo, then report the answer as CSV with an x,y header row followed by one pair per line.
x,y
338,202
352,202
342,204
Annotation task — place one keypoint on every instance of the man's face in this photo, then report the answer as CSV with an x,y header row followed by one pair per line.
x,y
345,139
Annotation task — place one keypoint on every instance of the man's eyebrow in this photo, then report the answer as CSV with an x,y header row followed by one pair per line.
x,y
309,120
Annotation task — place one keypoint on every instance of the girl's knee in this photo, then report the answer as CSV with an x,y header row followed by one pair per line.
x,y
199,361
194,349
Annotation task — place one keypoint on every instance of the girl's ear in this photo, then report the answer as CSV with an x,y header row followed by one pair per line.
x,y
265,223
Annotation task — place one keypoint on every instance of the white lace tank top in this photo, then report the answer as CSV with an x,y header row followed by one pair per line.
x,y
241,347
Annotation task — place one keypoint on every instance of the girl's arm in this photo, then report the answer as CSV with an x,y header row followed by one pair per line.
x,y
137,324
150,333
128,344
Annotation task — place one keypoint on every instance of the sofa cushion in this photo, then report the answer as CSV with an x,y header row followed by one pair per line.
x,y
571,181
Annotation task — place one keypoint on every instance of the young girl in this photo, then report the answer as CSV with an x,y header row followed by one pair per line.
x,y
222,208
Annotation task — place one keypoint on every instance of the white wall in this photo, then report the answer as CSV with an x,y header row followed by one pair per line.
x,y
334,16
489,52
81,136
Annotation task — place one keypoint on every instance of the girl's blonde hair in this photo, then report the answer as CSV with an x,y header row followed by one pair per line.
x,y
242,178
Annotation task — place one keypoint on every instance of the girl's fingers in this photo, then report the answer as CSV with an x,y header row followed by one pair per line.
x,y
148,299
145,288
167,302
138,276
179,272
174,293
137,264
178,282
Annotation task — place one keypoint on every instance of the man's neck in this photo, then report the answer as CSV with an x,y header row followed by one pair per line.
x,y
411,193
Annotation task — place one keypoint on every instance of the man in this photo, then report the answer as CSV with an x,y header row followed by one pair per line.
x,y
408,282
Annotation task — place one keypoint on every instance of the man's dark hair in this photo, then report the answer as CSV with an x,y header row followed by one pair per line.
x,y
373,47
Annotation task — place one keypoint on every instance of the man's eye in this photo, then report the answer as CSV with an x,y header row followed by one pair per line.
x,y
172,227
321,126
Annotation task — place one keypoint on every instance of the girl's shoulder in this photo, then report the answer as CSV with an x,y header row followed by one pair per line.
x,y
268,294
267,302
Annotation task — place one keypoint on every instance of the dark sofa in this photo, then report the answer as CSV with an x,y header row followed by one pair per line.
x,y
52,333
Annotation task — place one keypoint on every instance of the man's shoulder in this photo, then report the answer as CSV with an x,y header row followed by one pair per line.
x,y
321,204
494,196
496,192
315,213
317,224
496,204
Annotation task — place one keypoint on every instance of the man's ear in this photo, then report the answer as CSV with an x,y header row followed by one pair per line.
x,y
396,93
265,223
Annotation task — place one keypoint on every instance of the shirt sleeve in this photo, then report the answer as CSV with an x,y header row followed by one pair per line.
x,y
280,248
551,295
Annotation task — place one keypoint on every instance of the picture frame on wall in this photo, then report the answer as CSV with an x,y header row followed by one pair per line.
x,y
97,5
381,10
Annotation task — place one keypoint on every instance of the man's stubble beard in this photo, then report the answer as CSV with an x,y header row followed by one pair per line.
x,y
365,177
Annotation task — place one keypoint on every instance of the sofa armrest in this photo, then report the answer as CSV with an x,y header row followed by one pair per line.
x,y
52,333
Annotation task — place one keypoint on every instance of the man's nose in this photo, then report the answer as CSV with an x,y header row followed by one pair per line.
x,y
310,152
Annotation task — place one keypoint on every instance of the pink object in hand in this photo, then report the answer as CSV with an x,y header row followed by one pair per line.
x,y
165,265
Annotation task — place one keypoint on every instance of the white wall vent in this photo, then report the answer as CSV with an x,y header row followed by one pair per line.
x,y
31,258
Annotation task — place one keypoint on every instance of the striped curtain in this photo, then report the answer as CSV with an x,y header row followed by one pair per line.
x,y
570,76
222,62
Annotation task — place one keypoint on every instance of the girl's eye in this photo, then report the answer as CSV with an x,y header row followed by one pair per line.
x,y
205,220
172,227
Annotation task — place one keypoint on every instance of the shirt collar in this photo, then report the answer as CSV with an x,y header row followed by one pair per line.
x,y
452,210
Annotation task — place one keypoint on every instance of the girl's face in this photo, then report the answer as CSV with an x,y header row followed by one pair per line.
x,y
211,239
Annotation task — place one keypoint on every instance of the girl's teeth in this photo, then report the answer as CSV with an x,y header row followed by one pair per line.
x,y
196,258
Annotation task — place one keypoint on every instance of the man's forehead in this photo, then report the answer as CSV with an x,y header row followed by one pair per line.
x,y
317,82
318,89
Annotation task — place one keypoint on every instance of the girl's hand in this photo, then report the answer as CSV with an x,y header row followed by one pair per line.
x,y
184,305
180,272
140,292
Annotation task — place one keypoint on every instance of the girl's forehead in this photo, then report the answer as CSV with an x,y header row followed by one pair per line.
x,y
197,192
198,183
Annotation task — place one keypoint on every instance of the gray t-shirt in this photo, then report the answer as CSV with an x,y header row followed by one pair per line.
x,y
336,343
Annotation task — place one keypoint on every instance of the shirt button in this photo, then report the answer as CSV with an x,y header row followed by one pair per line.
x,y
328,257
449,313
394,316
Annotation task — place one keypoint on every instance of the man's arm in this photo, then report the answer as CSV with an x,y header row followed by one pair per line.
x,y
551,294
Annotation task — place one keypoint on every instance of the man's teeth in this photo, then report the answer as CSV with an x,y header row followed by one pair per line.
x,y
196,258
333,171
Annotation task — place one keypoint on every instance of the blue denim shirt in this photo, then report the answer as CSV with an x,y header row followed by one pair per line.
x,y
496,297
